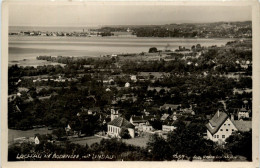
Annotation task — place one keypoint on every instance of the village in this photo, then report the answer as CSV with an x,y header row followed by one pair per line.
x,y
134,97
197,30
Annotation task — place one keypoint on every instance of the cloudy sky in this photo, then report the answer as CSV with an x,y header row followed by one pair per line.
x,y
98,15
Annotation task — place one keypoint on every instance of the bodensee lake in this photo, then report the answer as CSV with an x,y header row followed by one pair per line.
x,y
29,47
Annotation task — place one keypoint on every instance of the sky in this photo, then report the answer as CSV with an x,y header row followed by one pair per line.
x,y
100,15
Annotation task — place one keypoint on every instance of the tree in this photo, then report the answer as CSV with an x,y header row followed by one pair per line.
x,y
156,124
60,132
185,140
153,50
159,148
240,143
124,133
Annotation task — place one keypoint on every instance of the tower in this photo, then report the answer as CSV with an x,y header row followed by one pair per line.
x,y
114,114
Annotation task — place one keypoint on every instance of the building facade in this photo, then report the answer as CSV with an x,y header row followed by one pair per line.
x,y
115,126
220,127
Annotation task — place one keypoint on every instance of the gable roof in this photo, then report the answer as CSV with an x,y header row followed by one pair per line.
x,y
188,111
216,122
243,125
165,116
142,119
121,122
172,106
243,110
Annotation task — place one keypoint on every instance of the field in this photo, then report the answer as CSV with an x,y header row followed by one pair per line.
x,y
87,140
139,141
12,134
33,62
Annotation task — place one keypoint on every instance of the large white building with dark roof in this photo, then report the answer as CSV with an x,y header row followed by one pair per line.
x,y
114,127
221,127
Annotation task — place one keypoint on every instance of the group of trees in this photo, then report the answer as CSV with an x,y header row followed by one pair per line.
x,y
185,142
193,30
188,141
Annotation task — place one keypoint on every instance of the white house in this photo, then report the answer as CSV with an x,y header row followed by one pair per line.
x,y
133,78
220,127
140,120
114,127
127,84
147,127
168,128
36,140
243,113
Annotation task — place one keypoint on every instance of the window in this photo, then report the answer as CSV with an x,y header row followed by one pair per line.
x,y
228,124
223,136
226,129
214,136
232,130
224,124
221,129
217,136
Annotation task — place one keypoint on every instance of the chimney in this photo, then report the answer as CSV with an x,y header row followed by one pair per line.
x,y
232,117
218,113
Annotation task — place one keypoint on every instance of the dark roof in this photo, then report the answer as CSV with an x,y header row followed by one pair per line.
x,y
95,109
188,111
170,123
121,122
141,119
243,110
174,114
216,122
172,106
243,125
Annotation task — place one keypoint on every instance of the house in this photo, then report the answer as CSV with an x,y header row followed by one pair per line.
x,y
187,111
174,116
133,78
165,116
224,126
172,107
220,127
147,127
114,127
68,128
243,113
36,140
138,121
168,127
11,97
127,84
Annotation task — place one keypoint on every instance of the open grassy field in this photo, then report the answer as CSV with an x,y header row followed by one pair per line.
x,y
33,62
28,133
87,140
139,141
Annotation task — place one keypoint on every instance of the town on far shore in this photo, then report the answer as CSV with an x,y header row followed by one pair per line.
x,y
191,103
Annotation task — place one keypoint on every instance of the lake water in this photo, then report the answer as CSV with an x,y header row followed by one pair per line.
x,y
29,47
